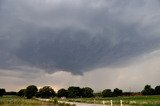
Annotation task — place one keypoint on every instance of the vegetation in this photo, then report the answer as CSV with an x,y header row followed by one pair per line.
x,y
157,90
87,92
15,100
2,92
21,93
148,90
19,101
62,93
11,93
128,100
30,91
85,95
107,93
117,92
74,92
77,92
46,92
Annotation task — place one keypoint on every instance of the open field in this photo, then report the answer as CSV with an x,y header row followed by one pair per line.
x,y
132,100
127,101
18,101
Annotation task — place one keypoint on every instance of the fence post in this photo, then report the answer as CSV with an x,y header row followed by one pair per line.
x,y
121,102
111,103
103,102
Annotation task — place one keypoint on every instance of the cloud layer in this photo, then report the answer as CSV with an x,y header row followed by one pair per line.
x,y
145,70
76,36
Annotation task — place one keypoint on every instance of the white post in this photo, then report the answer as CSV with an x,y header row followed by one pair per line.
x,y
103,102
121,102
111,103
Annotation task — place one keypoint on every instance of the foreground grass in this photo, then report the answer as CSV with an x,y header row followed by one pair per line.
x,y
132,100
18,101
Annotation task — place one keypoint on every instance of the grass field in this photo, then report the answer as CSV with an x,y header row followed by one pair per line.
x,y
18,101
132,100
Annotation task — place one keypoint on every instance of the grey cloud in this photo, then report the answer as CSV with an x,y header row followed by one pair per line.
x,y
78,37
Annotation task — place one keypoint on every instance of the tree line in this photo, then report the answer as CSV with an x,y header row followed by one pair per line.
x,y
71,92
148,90
76,92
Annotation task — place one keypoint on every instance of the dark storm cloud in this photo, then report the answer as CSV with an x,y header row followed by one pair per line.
x,y
76,36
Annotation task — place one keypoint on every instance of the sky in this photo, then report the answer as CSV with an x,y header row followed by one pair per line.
x,y
102,44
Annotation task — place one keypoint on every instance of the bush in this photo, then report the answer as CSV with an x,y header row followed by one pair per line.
x,y
55,100
2,92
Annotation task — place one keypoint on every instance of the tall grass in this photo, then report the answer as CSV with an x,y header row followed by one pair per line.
x,y
14,100
18,101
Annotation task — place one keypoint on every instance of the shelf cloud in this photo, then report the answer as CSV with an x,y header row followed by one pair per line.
x,y
76,36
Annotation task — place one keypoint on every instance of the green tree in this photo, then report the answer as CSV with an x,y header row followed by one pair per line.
x,y
87,92
2,92
62,93
157,90
46,92
117,92
107,93
74,92
98,94
148,90
31,91
21,92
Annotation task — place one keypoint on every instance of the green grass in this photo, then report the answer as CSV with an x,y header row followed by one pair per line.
x,y
18,101
132,100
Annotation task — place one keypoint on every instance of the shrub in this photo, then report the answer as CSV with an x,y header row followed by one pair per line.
x,y
2,92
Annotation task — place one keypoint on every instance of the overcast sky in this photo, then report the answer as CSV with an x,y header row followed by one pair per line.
x,y
96,43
